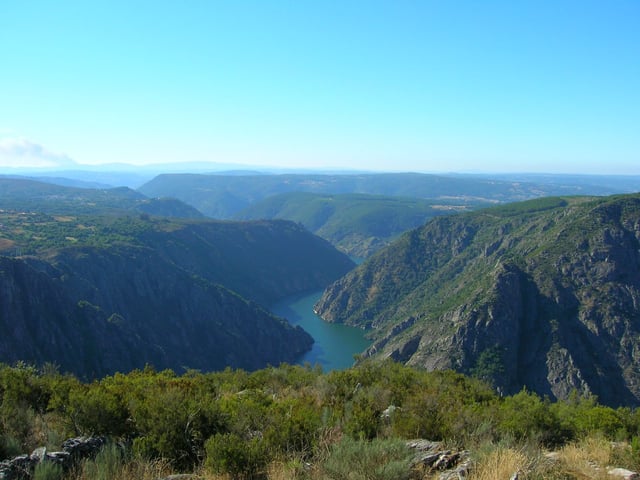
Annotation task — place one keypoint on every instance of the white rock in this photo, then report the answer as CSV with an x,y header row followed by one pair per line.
x,y
623,473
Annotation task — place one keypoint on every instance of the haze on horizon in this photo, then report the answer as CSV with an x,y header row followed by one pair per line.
x,y
431,86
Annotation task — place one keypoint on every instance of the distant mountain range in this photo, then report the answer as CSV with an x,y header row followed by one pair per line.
x,y
223,196
362,212
543,294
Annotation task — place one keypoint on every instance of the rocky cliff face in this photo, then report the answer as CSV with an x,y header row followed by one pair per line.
x,y
543,295
173,294
95,312
261,260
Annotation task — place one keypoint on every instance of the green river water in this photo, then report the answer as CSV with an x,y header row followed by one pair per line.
x,y
335,344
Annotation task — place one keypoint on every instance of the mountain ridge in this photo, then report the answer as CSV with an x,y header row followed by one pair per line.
x,y
221,196
543,294
356,223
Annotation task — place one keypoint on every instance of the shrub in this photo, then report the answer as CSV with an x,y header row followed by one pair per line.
x,y
48,471
107,464
231,454
378,459
173,419
363,416
295,427
9,447
525,415
114,463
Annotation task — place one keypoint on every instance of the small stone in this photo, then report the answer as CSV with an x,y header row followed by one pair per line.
x,y
39,454
623,473
60,458
555,456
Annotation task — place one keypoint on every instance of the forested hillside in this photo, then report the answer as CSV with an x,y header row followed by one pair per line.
x,y
357,224
542,294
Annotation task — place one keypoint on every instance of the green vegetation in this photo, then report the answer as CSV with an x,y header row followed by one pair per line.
x,y
260,260
115,292
296,419
49,471
223,196
24,195
541,294
31,233
378,459
357,224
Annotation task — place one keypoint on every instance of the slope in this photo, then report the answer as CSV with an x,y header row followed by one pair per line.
x,y
31,195
543,294
357,224
103,293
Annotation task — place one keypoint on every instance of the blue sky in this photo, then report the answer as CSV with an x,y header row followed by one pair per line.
x,y
536,86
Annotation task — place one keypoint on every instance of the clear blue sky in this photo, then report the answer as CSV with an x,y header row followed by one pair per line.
x,y
541,86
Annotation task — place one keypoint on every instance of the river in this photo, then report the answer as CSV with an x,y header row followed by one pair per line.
x,y
335,344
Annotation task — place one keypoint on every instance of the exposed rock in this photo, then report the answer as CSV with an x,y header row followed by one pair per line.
x,y
167,293
98,311
39,454
83,447
543,295
74,449
623,473
432,457
388,412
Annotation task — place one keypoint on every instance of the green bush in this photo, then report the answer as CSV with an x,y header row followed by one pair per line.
x,y
172,418
48,471
9,447
228,453
363,416
525,416
106,465
378,459
295,428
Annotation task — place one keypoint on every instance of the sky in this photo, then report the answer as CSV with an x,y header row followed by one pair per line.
x,y
428,86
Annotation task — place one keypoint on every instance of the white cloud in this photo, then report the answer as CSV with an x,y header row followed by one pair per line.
x,y
18,152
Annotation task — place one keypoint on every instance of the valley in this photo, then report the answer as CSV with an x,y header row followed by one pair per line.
x,y
509,321
334,346
435,260
118,289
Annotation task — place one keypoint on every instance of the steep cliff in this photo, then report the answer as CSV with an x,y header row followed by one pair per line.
x,y
96,311
542,294
99,294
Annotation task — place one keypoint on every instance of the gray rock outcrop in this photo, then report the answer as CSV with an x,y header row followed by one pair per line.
x,y
22,467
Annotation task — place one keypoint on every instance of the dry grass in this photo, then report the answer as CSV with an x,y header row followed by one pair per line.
x,y
500,463
137,469
587,459
285,471
584,460
277,470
